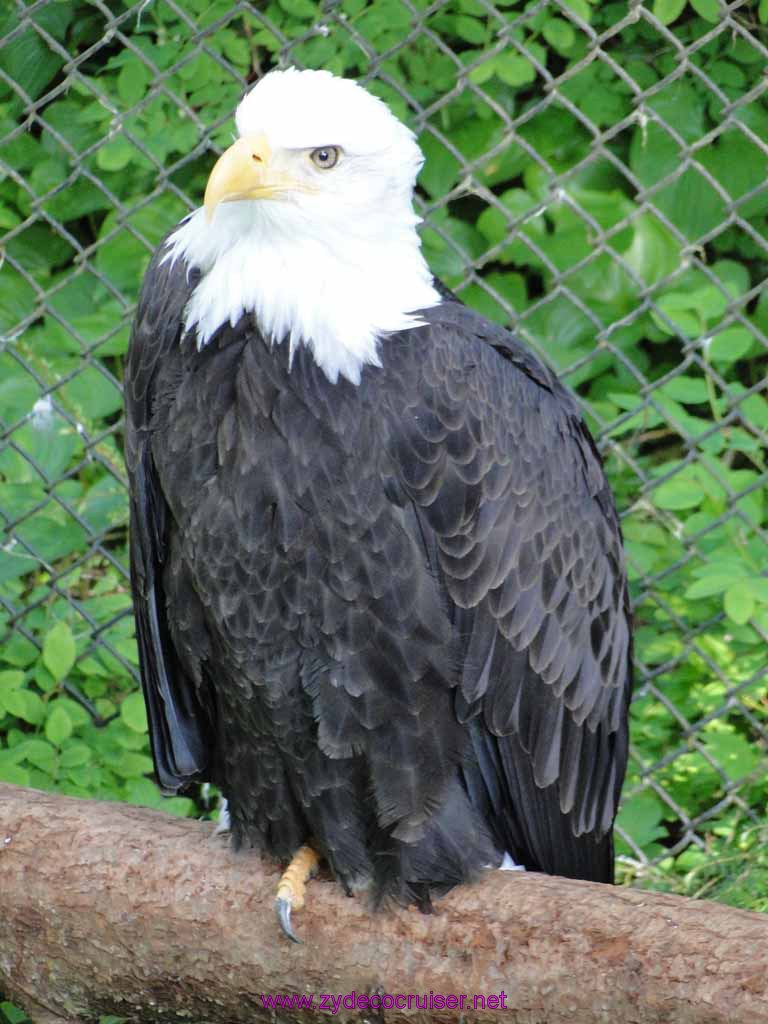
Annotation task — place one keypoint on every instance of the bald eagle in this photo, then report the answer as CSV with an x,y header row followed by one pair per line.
x,y
378,577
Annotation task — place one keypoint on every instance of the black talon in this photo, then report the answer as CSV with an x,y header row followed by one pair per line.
x,y
283,908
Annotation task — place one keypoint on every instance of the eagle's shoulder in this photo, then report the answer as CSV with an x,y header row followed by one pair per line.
x,y
481,384
157,327
456,329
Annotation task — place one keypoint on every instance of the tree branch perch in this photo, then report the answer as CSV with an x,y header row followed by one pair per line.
x,y
106,908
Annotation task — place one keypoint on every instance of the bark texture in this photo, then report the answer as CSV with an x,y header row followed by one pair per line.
x,y
106,908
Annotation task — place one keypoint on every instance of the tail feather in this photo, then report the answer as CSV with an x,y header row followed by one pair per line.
x,y
526,819
455,847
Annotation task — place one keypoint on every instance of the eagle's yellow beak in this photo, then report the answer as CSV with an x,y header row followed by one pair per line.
x,y
244,171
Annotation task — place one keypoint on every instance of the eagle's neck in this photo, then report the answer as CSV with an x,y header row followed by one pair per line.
x,y
337,289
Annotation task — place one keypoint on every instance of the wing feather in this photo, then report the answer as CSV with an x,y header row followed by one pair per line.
x,y
170,655
506,477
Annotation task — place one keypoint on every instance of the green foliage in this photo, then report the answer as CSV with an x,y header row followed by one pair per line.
x,y
51,741
732,868
626,240
10,1014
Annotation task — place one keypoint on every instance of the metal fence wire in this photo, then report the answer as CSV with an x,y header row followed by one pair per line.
x,y
595,178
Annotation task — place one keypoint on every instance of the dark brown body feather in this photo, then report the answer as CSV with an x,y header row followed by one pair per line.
x,y
391,618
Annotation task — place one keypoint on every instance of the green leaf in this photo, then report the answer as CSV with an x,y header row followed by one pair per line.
x,y
44,679
739,603
483,72
668,10
580,8
132,81
677,308
121,257
47,537
145,792
88,777
239,50
509,287
514,69
441,167
692,390
560,34
25,705
12,679
115,155
689,202
301,9
128,648
727,74
38,753
710,10
27,59
654,252
470,29
59,650
50,442
58,725
729,345
709,585
735,276
17,297
754,409
13,1014
104,507
641,817
709,301
47,175
133,712
75,755
181,806
677,494
91,394
131,765
513,226
16,776
733,752
91,667
19,651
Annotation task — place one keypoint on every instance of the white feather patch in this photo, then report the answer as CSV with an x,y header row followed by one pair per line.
x,y
335,268
507,864
224,823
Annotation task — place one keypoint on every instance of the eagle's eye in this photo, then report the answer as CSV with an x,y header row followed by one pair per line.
x,y
325,157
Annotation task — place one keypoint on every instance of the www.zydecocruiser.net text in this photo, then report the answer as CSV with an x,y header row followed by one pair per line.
x,y
333,1003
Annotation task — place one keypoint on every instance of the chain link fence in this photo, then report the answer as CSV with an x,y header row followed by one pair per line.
x,y
595,178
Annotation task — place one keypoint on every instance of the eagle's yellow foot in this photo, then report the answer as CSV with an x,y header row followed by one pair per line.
x,y
290,891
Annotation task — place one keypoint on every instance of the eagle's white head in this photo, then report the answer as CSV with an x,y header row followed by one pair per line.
x,y
308,223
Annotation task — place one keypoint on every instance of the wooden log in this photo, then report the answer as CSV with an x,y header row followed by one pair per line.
x,y
107,908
